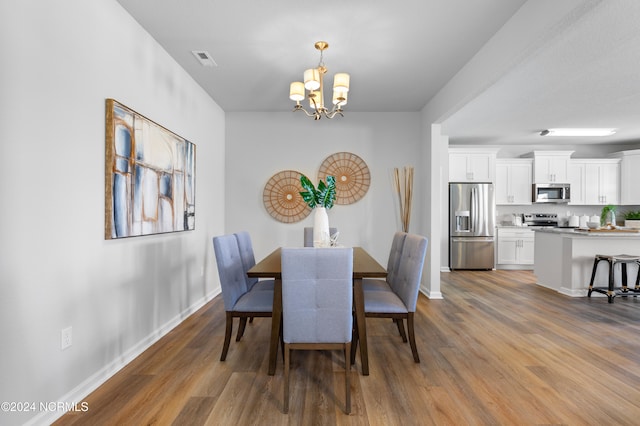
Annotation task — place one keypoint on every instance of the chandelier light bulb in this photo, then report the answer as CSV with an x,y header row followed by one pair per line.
x,y
296,91
312,79
341,82
339,97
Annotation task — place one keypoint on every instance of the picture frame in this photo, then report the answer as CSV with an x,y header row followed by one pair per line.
x,y
149,176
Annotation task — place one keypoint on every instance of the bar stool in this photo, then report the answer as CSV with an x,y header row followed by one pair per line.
x,y
610,290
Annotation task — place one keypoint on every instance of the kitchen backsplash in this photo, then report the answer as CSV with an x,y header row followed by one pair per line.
x,y
504,213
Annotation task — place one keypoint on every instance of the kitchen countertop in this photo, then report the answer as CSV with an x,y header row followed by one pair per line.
x,y
563,258
579,233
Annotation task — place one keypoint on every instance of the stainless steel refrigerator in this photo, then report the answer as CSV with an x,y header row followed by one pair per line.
x,y
472,212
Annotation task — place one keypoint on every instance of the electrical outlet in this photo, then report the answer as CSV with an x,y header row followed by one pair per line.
x,y
66,337
202,272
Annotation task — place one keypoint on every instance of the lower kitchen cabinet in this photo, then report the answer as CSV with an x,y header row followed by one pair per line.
x,y
515,248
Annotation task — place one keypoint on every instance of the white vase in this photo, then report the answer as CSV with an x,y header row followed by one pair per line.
x,y
321,237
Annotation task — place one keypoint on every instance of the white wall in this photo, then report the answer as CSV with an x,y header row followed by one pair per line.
x,y
260,145
60,60
518,41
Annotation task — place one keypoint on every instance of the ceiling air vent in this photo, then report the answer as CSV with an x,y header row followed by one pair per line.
x,y
204,58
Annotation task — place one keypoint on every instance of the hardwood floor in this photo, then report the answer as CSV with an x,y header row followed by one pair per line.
x,y
497,350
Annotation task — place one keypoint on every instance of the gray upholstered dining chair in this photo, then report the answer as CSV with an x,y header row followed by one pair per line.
x,y
400,303
317,303
376,284
308,235
249,261
239,301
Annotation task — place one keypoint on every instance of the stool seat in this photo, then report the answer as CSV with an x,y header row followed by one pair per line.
x,y
611,291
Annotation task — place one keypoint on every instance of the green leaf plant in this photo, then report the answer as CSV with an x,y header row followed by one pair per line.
x,y
605,211
632,215
324,196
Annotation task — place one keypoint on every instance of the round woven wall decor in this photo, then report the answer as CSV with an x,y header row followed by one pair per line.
x,y
282,199
351,173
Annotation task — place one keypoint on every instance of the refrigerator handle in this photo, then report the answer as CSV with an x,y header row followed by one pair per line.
x,y
474,209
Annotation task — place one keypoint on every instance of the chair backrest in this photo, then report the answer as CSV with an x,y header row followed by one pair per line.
x,y
230,269
409,274
246,255
317,295
308,235
394,256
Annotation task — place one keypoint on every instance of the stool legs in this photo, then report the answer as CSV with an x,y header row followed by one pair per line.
x,y
593,275
610,290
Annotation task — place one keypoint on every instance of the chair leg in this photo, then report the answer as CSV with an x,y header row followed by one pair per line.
x,y
412,337
400,325
227,336
354,340
281,337
243,324
287,358
347,375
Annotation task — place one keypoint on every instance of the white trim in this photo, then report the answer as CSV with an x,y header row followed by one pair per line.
x,y
100,377
431,295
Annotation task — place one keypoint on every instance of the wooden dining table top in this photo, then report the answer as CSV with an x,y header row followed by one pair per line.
x,y
364,266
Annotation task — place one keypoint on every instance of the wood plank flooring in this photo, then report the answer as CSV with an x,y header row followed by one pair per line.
x,y
497,350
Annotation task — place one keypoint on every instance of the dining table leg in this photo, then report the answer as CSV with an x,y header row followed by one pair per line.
x,y
358,302
276,318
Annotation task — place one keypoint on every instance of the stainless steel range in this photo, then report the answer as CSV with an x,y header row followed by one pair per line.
x,y
540,219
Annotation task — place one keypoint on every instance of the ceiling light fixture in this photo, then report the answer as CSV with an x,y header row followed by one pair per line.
x,y
578,132
313,83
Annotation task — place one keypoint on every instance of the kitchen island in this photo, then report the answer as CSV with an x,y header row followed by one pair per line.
x,y
563,258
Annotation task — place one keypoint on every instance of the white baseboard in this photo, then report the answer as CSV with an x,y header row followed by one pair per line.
x,y
75,397
431,294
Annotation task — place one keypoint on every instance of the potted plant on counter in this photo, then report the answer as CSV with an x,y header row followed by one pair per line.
x,y
632,219
321,200
608,216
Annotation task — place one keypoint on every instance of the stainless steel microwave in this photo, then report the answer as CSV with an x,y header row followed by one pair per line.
x,y
551,193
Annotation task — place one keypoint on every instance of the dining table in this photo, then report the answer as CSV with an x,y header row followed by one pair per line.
x,y
364,266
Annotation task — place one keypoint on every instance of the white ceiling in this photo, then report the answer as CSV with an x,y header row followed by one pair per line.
x,y
401,53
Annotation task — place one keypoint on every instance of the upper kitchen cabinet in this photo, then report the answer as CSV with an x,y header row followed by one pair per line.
x,y
551,166
629,168
472,164
513,181
594,181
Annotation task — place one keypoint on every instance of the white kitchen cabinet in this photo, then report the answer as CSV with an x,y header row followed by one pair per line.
x,y
551,166
515,248
595,181
472,165
513,181
629,168
577,181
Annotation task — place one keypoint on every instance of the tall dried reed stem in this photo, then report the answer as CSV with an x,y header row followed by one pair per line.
x,y
405,194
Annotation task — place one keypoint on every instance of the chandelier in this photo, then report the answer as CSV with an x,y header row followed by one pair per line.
x,y
313,83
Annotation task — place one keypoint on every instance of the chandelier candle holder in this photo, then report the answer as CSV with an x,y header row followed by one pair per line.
x,y
313,86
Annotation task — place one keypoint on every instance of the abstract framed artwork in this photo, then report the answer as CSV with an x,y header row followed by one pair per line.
x,y
149,176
